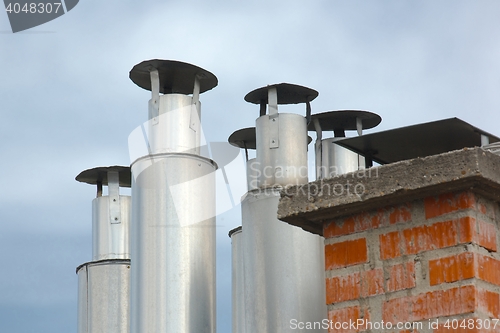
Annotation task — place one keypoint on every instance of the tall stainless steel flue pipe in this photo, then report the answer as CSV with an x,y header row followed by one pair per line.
x,y
332,159
173,206
238,281
283,265
104,282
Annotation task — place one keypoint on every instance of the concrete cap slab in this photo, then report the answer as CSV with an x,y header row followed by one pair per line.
x,y
308,206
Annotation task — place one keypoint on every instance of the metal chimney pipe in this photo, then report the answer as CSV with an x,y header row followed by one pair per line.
x,y
283,265
173,206
332,159
245,138
103,283
238,281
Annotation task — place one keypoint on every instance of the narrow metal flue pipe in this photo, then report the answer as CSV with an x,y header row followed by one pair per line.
x,y
238,281
173,205
104,282
331,158
283,266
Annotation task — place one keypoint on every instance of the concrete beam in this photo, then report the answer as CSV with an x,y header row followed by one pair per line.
x,y
308,206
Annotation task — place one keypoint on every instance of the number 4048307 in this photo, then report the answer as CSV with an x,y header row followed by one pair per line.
x,y
33,8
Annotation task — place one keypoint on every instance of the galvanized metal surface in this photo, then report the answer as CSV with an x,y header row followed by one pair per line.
x,y
103,296
110,240
283,269
82,303
337,160
238,281
493,147
252,174
287,163
283,266
332,159
245,138
173,244
175,76
177,129
104,283
173,206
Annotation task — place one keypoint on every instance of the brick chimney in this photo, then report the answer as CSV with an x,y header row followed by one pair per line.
x,y
409,246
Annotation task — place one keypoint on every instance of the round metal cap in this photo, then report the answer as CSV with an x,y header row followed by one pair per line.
x,y
287,94
100,175
235,230
175,76
244,138
344,120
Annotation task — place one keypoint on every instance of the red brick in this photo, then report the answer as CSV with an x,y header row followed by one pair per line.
x,y
390,245
372,282
482,208
424,238
486,235
346,315
338,228
434,304
397,309
464,266
353,286
466,229
488,269
401,277
447,203
436,236
443,303
488,302
367,221
450,269
418,239
353,224
400,214
346,253
343,288
479,232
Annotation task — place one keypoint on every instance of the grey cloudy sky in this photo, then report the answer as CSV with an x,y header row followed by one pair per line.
x,y
67,104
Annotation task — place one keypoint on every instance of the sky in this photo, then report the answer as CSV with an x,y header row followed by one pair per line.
x,y
67,104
